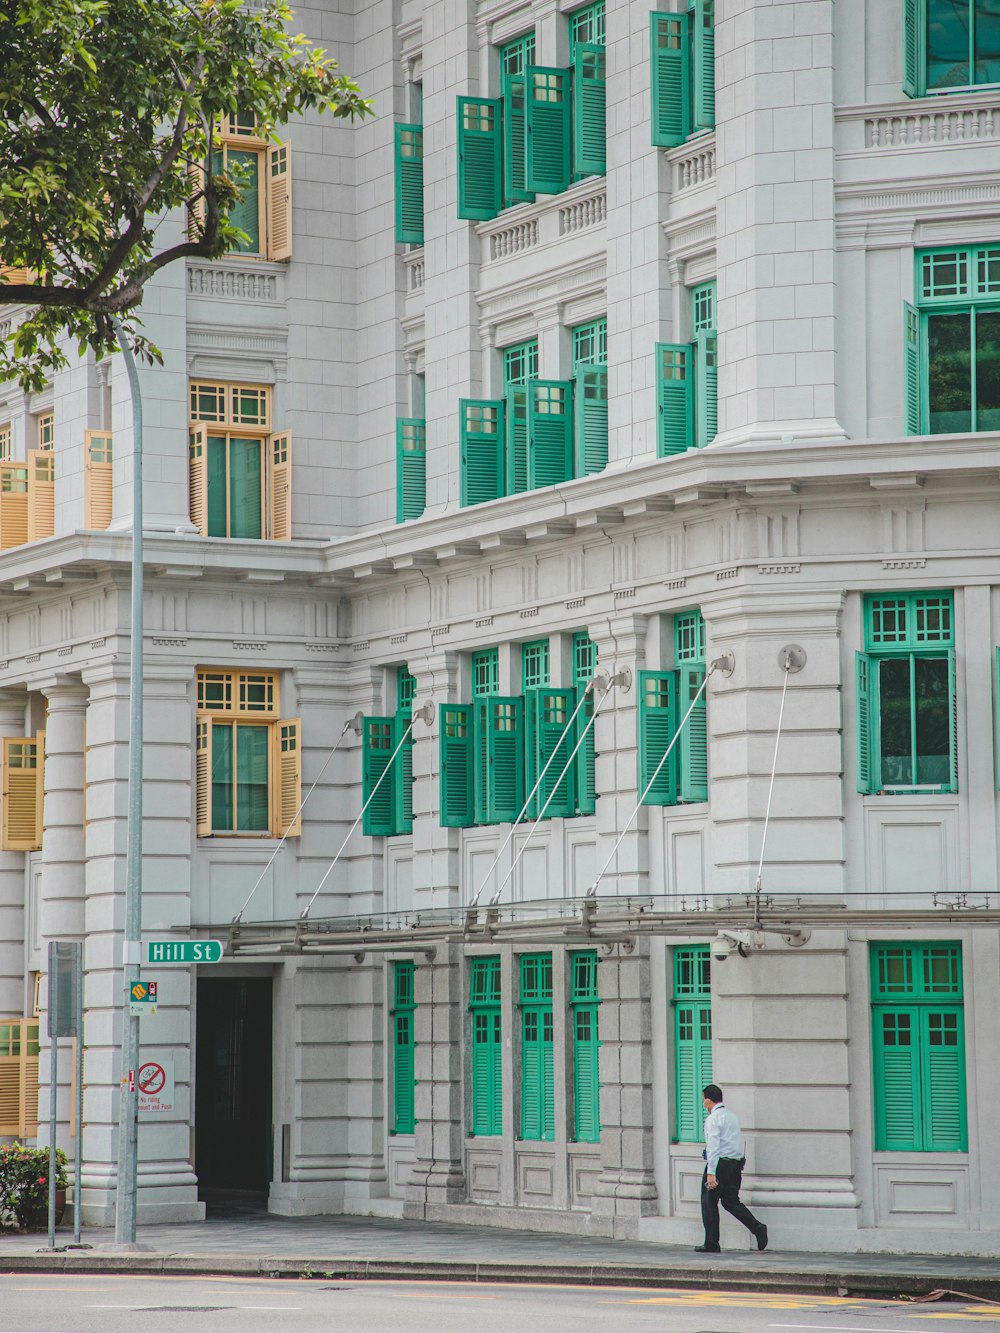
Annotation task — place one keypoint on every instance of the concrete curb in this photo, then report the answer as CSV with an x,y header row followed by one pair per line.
x,y
887,1284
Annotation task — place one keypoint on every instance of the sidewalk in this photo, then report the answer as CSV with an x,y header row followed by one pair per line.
x,y
362,1247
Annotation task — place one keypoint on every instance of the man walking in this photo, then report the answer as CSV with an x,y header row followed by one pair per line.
x,y
724,1161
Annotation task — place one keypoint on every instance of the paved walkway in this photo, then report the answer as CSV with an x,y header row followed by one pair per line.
x,y
361,1247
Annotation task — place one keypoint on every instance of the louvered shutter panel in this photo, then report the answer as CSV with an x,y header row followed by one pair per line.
x,y
41,494
863,668
589,127
456,765
402,1073
675,399
952,724
657,723
481,438
13,505
410,184
203,777
21,829
402,776
547,1124
531,1076
411,468
29,1080
943,1045
481,761
550,432
39,788
693,741
548,129
912,14
289,771
532,705
591,413
10,1091
911,370
706,395
196,201
586,785
378,745
897,1084
586,1086
97,481
670,76
686,1075
480,169
198,476
703,61
517,439
505,759
514,126
487,1055
279,489
554,708
279,201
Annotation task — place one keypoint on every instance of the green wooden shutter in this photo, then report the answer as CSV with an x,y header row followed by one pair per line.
x,y
586,785
456,766
481,439
480,170
706,394
378,744
481,760
537,1074
952,724
517,439
703,63
657,724
863,674
591,411
896,1075
514,126
551,710
402,777
912,45
670,79
943,1091
487,1054
911,370
693,740
548,130
550,432
686,1071
411,468
410,184
586,1083
675,398
504,758
589,115
402,1073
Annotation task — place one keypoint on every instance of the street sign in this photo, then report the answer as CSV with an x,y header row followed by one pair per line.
x,y
183,951
142,998
156,1086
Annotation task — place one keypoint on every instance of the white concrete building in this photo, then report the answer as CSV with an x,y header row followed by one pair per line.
x,y
724,380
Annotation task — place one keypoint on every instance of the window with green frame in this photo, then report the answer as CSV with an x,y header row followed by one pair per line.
x,y
952,342
520,369
239,472
664,699
906,694
584,1003
587,64
687,381
590,381
692,1004
516,443
411,468
682,57
486,1064
918,1047
403,1044
534,664
537,1048
409,164
391,808
584,670
949,46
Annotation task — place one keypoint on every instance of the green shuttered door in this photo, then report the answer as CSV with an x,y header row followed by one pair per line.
x,y
670,77
591,404
548,126
657,724
589,132
550,432
693,740
456,766
480,154
481,439
703,62
411,468
675,398
378,742
410,184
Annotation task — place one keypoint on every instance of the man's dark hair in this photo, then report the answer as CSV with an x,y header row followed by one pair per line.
x,y
713,1092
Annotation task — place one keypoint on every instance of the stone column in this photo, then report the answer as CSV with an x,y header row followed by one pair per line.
x,y
626,1188
63,853
13,888
436,850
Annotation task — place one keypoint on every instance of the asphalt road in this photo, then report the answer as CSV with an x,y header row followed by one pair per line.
x,y
237,1305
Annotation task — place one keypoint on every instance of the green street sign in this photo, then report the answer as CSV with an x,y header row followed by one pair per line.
x,y
183,951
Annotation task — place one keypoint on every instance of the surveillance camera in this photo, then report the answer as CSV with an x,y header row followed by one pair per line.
x,y
722,947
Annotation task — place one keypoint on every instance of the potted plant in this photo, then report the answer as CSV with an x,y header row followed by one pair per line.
x,y
24,1186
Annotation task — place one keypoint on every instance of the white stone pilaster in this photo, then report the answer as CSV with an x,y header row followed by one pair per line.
x,y
13,887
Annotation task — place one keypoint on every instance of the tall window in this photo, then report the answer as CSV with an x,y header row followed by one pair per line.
x,y
683,73
906,694
387,794
19,1077
584,1005
537,1048
952,342
664,700
248,760
486,1097
584,670
534,664
403,1044
918,1047
240,473
692,1002
590,388
949,45
687,381
23,789
261,171
409,161
45,426
5,442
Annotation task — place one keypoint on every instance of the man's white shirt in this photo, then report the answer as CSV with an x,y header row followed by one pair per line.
x,y
722,1137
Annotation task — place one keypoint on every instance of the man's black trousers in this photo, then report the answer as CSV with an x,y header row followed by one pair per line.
x,y
729,1175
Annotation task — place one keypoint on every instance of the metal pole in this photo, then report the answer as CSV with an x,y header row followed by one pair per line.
x,y
78,1158
128,1116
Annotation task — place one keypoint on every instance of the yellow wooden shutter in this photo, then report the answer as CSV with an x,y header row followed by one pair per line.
x,y
198,471
15,277
203,777
289,770
41,494
279,201
280,487
13,505
97,479
40,783
19,821
196,201
10,1077
29,1078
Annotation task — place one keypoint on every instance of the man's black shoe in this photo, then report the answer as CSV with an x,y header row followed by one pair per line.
x,y
708,1249
762,1237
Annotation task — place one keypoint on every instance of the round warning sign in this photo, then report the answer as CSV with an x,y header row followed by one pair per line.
x,y
152,1078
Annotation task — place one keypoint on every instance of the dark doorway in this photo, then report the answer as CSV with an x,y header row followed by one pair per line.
x,y
233,1092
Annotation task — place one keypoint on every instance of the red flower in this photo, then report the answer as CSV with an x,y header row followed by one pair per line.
x,y
41,1180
